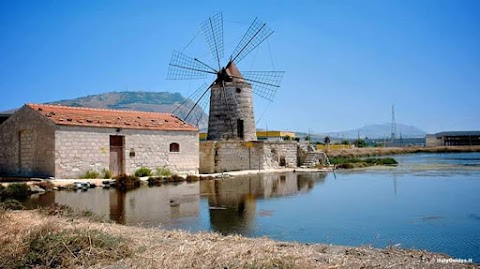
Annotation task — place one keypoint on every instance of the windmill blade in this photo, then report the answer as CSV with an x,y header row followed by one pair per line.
x,y
264,83
212,31
193,108
255,35
185,67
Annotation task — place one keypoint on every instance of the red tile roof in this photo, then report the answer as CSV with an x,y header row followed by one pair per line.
x,y
110,118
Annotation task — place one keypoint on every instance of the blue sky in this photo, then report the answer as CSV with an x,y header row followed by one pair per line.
x,y
346,62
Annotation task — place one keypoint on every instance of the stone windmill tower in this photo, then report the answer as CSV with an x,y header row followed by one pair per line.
x,y
231,113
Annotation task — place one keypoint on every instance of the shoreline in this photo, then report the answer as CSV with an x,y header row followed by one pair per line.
x,y
59,182
367,152
159,248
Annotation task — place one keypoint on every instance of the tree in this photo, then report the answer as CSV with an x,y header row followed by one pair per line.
x,y
360,143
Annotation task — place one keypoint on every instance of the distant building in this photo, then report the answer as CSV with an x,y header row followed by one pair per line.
x,y
265,136
4,117
65,142
453,138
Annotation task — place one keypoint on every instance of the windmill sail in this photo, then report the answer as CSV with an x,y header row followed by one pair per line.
x,y
212,31
229,98
255,35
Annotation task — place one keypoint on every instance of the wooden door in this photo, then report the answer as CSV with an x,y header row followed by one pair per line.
x,y
116,155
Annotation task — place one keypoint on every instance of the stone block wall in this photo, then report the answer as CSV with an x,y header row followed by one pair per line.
x,y
152,149
79,149
27,145
222,156
227,106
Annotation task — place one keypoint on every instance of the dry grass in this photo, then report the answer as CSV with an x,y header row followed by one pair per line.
x,y
30,240
364,152
156,248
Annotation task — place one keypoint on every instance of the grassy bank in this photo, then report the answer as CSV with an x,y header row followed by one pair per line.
x,y
349,163
49,240
365,152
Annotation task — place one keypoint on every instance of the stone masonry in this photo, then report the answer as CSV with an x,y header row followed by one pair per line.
x,y
222,156
230,108
27,145
79,149
32,145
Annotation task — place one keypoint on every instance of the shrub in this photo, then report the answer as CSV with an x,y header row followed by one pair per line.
x,y
107,174
17,191
12,204
175,178
191,178
163,171
143,172
125,182
90,174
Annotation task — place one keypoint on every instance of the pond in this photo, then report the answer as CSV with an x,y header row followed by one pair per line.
x,y
430,201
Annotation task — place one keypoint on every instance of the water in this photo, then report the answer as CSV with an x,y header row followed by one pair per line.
x,y
430,201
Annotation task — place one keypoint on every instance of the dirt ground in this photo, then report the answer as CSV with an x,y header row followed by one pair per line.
x,y
157,248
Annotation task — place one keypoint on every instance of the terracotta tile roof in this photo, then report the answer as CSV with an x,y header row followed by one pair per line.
x,y
110,118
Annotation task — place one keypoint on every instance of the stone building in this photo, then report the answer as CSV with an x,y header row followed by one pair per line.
x,y
223,156
65,142
231,114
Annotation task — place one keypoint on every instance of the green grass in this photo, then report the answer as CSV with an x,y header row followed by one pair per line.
x,y
143,172
163,171
90,174
349,163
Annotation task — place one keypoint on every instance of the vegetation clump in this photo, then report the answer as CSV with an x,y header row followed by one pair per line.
x,y
17,191
46,185
90,174
192,178
163,171
48,246
143,172
11,204
350,163
107,174
126,182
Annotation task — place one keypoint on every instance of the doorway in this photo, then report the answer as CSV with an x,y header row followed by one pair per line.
x,y
240,128
116,155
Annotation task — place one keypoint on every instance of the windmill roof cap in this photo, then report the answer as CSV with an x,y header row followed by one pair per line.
x,y
232,71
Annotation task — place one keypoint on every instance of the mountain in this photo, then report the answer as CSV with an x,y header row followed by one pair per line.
x,y
141,101
380,131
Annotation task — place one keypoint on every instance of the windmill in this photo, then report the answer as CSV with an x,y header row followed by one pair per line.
x,y
230,95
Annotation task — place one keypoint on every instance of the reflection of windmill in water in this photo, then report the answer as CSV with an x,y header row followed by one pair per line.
x,y
230,104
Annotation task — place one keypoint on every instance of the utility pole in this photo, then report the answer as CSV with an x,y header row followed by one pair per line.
x,y
394,125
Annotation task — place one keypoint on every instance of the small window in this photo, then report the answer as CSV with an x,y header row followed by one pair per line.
x,y
174,147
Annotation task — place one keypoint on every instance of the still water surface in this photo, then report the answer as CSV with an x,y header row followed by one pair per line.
x,y
430,201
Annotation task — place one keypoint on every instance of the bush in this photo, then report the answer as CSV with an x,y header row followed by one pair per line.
x,y
17,191
163,171
143,172
192,178
90,174
12,204
125,182
107,174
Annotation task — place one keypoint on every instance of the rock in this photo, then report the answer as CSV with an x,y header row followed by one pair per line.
x,y
36,189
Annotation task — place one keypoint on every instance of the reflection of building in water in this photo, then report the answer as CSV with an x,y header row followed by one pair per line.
x,y
155,205
233,201
94,200
147,206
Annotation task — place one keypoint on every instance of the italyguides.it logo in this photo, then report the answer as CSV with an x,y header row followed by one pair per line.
x,y
450,260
